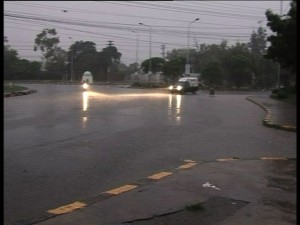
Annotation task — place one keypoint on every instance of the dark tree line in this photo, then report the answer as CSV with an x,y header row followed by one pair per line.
x,y
81,56
16,68
230,66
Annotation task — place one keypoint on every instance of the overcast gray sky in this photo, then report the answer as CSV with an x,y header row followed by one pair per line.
x,y
118,21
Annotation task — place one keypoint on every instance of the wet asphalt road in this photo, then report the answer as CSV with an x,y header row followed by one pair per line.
x,y
62,145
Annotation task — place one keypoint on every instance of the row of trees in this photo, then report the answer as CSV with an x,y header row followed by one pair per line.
x,y
222,65
16,68
58,64
82,56
252,64
243,64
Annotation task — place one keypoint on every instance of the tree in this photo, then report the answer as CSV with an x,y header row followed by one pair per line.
x,y
239,69
85,58
110,58
258,41
264,70
174,68
47,41
57,65
112,53
264,73
28,69
10,61
176,53
238,65
283,44
208,53
212,72
55,57
157,64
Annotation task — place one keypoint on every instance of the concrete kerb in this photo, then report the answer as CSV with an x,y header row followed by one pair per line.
x,y
18,93
267,121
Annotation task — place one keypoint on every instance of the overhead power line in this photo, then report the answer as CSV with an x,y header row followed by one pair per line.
x,y
182,10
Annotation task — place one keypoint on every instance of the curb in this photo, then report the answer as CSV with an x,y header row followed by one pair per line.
x,y
18,93
267,121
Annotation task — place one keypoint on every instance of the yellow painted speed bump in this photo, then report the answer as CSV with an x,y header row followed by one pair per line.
x,y
288,127
121,189
226,159
67,208
273,158
189,161
159,175
187,165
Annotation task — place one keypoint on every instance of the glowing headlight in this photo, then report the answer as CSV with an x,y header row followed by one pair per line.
x,y
179,88
85,86
171,87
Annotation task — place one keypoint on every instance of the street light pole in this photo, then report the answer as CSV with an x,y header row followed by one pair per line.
x,y
137,49
71,78
150,45
187,65
278,64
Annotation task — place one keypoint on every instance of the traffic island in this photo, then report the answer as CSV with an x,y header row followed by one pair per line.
x,y
268,122
19,93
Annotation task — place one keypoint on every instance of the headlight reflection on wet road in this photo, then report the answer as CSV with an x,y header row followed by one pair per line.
x,y
178,106
118,97
126,97
85,100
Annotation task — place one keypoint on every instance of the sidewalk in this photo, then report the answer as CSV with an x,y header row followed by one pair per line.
x,y
208,193
280,114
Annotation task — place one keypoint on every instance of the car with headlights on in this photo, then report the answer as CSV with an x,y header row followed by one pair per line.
x,y
185,84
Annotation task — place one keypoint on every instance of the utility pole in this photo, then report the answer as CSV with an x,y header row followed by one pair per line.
x,y
137,50
278,64
150,45
110,43
163,47
71,78
187,65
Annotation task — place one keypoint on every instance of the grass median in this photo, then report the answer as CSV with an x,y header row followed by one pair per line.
x,y
9,88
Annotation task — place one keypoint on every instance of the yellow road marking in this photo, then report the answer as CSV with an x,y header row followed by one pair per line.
x,y
159,175
67,208
288,127
273,158
121,189
224,160
189,161
187,165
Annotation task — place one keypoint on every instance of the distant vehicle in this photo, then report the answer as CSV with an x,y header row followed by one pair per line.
x,y
185,84
87,77
85,86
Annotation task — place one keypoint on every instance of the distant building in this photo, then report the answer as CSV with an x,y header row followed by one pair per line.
x,y
157,77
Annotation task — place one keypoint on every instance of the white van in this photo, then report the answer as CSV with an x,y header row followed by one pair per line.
x,y
185,84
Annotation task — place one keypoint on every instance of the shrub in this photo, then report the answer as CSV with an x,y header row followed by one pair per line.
x,y
279,93
136,84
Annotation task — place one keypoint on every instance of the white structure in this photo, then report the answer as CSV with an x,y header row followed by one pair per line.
x,y
157,77
87,77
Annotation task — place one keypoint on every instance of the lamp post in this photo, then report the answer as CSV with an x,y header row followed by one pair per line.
x,y
150,40
278,64
187,65
71,78
137,49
